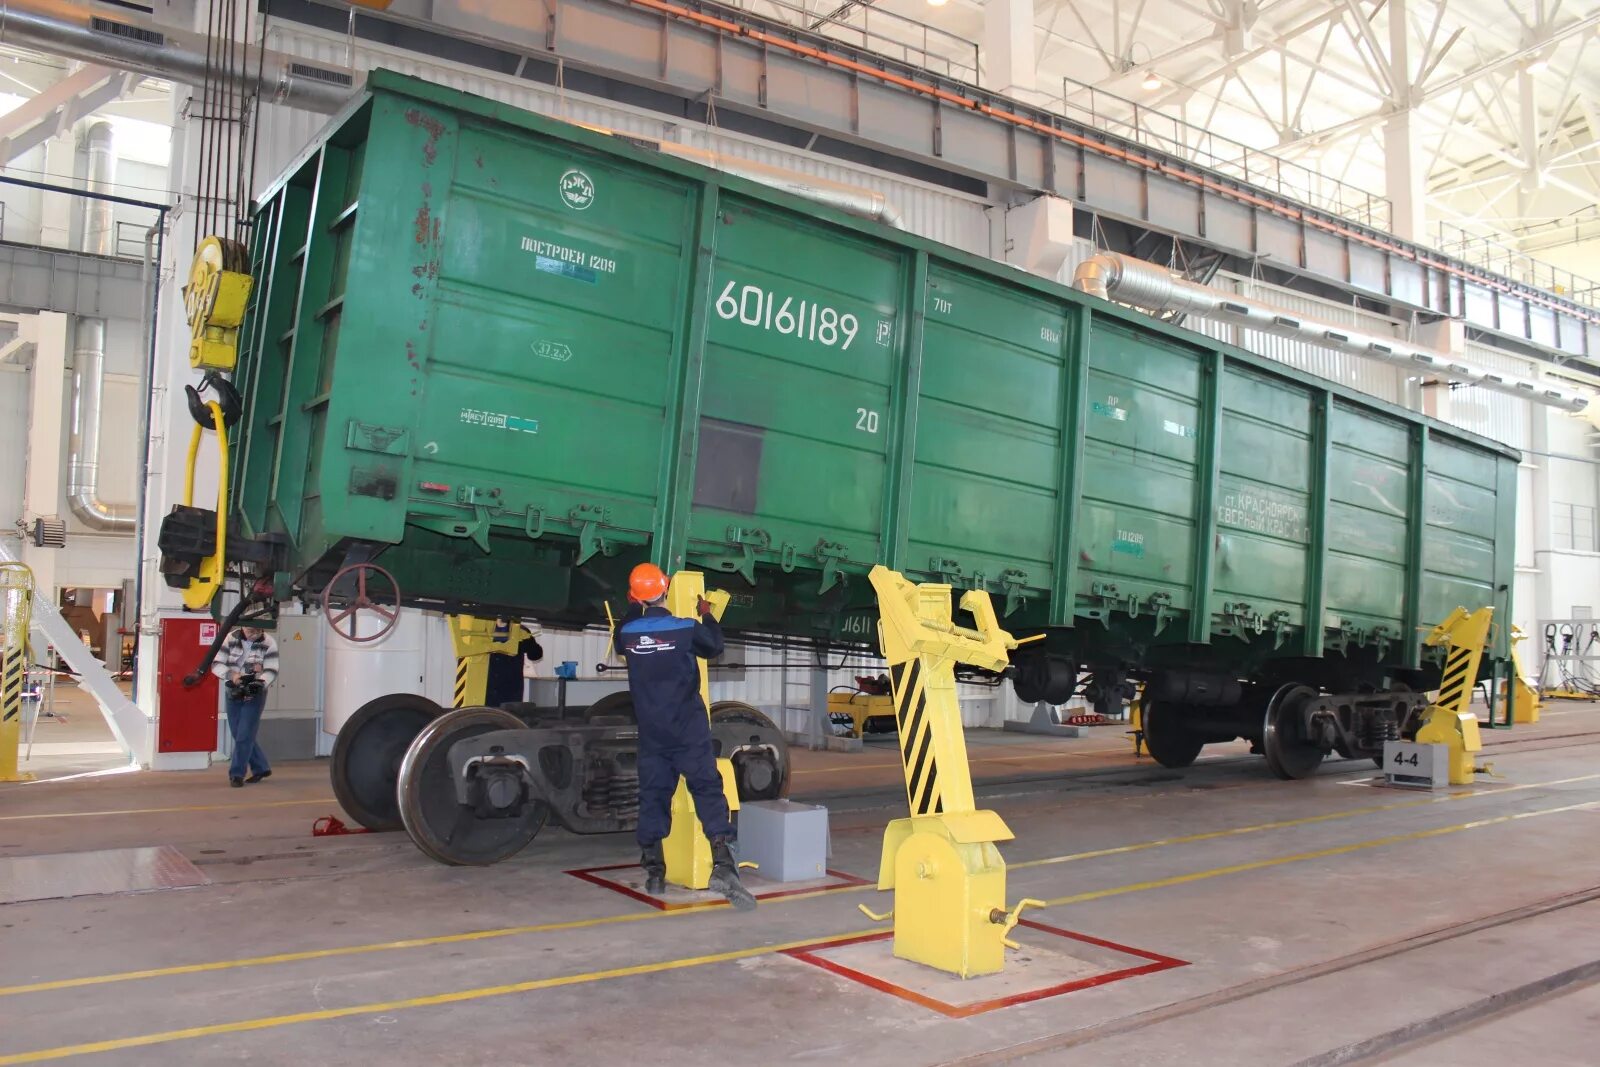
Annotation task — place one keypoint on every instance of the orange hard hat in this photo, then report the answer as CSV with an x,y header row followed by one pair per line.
x,y
647,582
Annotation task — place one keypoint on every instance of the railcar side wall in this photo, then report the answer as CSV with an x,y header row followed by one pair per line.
x,y
525,354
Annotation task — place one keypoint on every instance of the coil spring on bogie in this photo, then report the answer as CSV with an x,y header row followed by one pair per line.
x,y
1381,728
613,794
624,795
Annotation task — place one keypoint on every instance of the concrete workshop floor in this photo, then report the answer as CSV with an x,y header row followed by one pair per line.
x,y
1238,921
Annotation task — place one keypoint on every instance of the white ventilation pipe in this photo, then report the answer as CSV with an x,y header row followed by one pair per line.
x,y
1112,276
89,358
129,40
851,199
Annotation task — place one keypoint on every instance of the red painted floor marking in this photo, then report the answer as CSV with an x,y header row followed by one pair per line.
x,y
1157,963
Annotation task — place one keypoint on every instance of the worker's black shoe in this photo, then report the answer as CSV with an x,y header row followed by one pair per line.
x,y
725,876
237,783
258,777
655,869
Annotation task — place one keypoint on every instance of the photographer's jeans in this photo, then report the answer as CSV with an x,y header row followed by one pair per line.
x,y
244,720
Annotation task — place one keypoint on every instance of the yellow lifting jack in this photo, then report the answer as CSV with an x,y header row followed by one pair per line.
x,y
1521,695
948,878
1451,720
474,640
687,852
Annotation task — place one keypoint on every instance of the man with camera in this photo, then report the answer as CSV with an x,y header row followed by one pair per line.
x,y
247,664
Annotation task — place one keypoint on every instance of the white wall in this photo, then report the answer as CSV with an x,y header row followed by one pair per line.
x,y
1571,577
40,217
13,443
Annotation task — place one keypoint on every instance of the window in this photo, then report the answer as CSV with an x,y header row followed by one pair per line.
x,y
1572,526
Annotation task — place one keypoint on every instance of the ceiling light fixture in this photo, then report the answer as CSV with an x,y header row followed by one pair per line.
x,y
936,3
1151,81
1539,64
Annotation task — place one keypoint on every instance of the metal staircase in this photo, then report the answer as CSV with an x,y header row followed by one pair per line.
x,y
129,725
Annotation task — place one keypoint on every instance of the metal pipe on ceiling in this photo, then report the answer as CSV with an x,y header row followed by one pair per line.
x,y
1154,288
129,40
89,359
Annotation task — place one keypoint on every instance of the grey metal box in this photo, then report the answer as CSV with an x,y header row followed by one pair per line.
x,y
1416,766
788,841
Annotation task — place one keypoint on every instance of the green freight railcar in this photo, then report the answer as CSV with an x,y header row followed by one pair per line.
x,y
505,358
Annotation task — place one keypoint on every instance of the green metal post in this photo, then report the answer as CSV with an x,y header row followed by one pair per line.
x,y
1069,480
1505,557
1205,512
1414,540
904,401
1317,541
681,436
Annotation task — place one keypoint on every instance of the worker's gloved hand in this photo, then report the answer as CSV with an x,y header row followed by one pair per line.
x,y
702,608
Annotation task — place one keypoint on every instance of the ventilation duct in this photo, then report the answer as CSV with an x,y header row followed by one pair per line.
x,y
89,359
1155,289
851,199
128,40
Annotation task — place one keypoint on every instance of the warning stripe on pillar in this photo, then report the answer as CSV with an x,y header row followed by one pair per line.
x,y
916,739
1455,683
11,677
463,666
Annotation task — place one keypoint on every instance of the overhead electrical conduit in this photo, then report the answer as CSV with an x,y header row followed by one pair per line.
x,y
1156,289
89,359
130,41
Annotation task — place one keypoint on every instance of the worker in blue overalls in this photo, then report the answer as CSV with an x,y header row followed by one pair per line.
x,y
661,650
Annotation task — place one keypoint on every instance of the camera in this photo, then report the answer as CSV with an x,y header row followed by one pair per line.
x,y
245,688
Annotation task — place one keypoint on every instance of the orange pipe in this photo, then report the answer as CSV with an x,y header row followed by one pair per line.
x,y
946,96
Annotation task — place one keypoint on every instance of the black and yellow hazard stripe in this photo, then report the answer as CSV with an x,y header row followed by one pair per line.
x,y
1455,685
463,669
916,738
11,678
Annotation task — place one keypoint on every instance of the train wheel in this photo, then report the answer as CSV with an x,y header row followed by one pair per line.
x,y
497,827
617,706
367,753
1169,738
761,773
1289,753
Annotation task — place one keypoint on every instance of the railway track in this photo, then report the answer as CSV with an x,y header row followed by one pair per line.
x,y
1200,776
1368,1049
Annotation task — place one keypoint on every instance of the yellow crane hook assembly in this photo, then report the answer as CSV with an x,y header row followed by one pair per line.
x,y
215,300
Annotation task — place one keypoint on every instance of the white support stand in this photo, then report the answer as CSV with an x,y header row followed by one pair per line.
x,y
1413,766
1044,722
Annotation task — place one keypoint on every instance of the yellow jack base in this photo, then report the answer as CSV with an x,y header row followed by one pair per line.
x,y
949,885
1459,731
10,746
686,849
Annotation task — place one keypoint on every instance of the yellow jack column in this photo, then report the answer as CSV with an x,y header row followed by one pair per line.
x,y
948,878
686,849
16,603
1451,720
474,640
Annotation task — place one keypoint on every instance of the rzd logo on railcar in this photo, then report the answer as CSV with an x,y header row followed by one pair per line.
x,y
577,190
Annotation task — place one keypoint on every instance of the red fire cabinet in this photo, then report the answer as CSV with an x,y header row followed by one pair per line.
x,y
187,718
